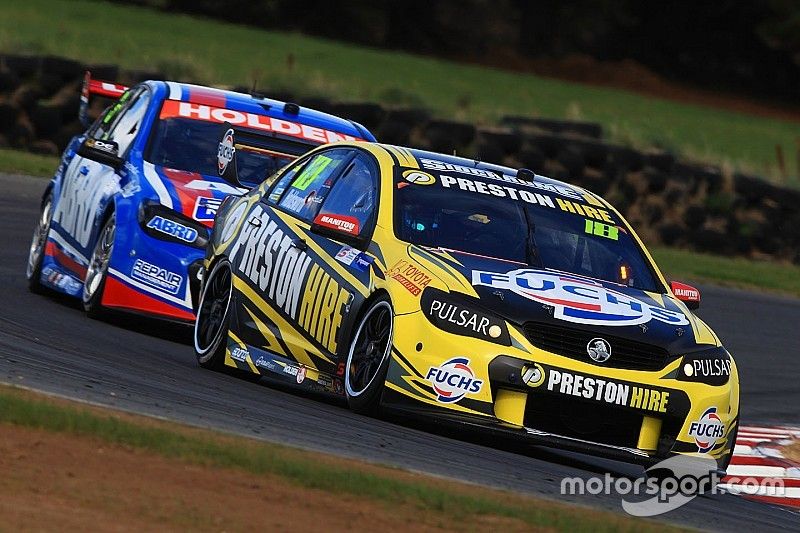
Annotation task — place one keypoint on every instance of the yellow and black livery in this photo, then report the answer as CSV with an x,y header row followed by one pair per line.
x,y
469,292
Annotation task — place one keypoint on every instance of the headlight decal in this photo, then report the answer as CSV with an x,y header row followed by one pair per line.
x,y
454,314
712,367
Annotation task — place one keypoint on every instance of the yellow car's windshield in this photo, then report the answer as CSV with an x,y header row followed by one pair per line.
x,y
516,223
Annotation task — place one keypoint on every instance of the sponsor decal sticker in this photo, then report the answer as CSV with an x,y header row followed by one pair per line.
x,y
157,277
61,280
504,189
226,151
301,375
533,374
463,318
418,177
495,189
80,196
347,255
684,292
205,208
344,223
362,262
691,294
173,229
707,430
263,362
561,190
294,201
353,258
239,354
219,115
708,367
288,278
578,300
608,391
275,195
453,379
450,315
409,276
108,147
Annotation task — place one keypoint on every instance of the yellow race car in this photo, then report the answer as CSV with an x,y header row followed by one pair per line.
x,y
468,292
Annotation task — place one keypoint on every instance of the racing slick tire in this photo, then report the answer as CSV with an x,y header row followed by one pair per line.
x,y
368,358
729,458
38,244
97,271
213,313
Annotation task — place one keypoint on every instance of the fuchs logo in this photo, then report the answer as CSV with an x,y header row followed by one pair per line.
x,y
577,299
707,431
225,152
453,380
599,350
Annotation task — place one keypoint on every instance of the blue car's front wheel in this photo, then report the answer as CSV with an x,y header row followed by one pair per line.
x,y
97,271
38,243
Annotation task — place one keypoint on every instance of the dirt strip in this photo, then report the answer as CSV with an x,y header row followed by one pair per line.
x,y
58,482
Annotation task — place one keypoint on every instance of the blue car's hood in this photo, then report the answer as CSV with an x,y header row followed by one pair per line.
x,y
194,195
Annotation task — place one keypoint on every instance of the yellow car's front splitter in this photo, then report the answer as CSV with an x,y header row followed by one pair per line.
x,y
519,390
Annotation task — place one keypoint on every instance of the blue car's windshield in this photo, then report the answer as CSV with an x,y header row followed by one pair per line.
x,y
191,145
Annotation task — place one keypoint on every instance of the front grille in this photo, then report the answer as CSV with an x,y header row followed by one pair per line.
x,y
578,419
570,342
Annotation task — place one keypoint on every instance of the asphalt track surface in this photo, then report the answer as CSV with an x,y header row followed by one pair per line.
x,y
46,343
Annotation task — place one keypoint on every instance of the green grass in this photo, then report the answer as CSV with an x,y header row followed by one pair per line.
x,y
303,468
213,52
16,162
735,272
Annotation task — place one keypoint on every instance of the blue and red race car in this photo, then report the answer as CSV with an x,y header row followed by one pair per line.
x,y
126,218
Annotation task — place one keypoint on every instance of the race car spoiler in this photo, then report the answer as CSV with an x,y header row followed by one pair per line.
x,y
236,139
102,88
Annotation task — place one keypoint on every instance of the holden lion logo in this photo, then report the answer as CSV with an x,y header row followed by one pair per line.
x,y
599,350
225,151
453,379
707,431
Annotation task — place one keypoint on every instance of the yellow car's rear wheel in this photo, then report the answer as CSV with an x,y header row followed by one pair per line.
x,y
368,358
211,326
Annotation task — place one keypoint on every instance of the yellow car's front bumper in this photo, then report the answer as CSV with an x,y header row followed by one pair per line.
x,y
641,416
